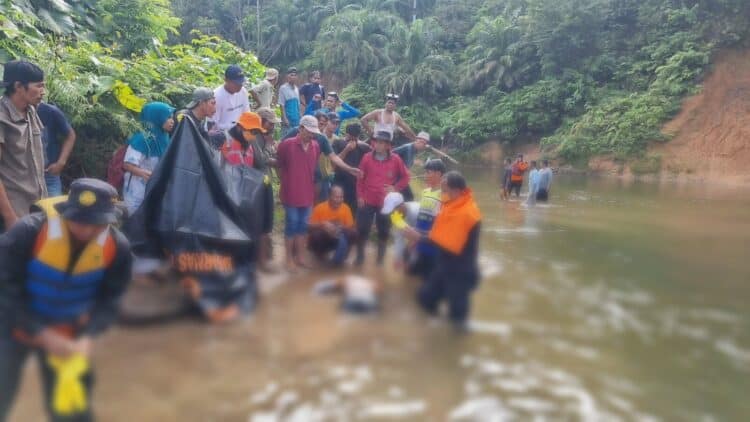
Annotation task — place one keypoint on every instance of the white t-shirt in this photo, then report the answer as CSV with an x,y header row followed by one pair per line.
x,y
229,107
134,187
399,241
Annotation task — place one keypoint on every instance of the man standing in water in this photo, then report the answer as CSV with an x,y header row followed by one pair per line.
x,y
387,120
545,180
516,175
533,184
455,234
408,153
505,180
429,207
62,273
382,172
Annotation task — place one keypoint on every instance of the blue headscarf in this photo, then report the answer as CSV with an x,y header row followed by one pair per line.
x,y
153,141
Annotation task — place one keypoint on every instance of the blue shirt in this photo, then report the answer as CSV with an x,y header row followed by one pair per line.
x,y
347,111
56,129
534,180
407,152
545,178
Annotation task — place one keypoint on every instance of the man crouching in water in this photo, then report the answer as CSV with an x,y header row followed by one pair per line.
x,y
455,233
62,273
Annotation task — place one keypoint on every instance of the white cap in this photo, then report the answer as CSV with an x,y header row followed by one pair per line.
x,y
424,135
392,201
310,123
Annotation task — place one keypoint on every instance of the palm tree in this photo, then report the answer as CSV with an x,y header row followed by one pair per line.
x,y
355,42
418,71
497,56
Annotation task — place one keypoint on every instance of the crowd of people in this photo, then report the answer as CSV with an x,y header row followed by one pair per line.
x,y
64,265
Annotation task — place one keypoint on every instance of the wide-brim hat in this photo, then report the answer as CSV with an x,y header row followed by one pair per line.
x,y
90,201
383,135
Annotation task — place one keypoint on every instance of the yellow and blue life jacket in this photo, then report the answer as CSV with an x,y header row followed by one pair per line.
x,y
62,288
429,207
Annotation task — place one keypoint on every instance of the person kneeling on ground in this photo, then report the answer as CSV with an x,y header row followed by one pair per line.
x,y
62,274
455,233
331,229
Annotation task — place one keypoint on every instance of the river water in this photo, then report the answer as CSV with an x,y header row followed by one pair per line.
x,y
615,302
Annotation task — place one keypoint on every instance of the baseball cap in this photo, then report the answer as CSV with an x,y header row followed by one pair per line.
x,y
234,73
90,201
200,94
268,114
249,121
291,70
391,202
310,123
271,74
424,135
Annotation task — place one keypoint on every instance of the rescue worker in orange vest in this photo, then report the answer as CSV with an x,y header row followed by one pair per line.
x,y
62,273
455,233
516,175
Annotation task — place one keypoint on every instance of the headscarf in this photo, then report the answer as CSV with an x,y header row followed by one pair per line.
x,y
153,140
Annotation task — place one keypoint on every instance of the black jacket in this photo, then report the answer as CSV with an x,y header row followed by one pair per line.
x,y
16,247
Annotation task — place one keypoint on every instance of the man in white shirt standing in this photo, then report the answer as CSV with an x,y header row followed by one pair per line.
x,y
231,99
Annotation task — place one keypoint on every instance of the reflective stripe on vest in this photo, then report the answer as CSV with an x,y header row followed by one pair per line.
x,y
60,290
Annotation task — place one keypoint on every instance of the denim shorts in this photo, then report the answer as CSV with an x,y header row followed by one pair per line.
x,y
295,220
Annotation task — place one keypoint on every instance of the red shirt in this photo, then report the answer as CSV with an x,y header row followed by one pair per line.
x,y
235,156
297,172
376,174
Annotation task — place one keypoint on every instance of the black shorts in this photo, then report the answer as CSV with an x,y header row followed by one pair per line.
x,y
515,186
542,195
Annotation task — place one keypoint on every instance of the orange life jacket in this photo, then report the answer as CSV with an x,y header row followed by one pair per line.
x,y
454,222
517,171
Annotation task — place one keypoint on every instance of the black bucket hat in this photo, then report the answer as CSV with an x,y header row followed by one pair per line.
x,y
90,201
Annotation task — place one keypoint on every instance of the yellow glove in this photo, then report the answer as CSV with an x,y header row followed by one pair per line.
x,y
69,394
398,220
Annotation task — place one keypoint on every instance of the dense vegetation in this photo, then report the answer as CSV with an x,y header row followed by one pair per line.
x,y
91,50
583,76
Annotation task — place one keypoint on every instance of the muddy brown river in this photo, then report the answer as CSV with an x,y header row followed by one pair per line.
x,y
618,301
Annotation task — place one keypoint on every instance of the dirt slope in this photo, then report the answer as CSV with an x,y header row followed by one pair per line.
x,y
712,132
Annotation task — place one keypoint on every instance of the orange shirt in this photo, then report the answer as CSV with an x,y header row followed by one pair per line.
x,y
323,213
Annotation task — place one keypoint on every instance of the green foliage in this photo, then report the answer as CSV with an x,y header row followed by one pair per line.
x,y
131,26
81,72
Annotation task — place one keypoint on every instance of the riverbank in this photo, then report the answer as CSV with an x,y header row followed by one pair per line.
x,y
709,139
